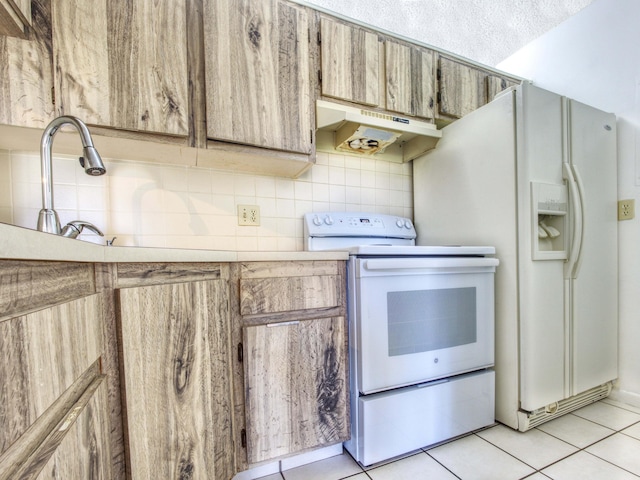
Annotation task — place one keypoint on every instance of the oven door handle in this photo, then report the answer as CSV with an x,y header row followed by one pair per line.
x,y
432,265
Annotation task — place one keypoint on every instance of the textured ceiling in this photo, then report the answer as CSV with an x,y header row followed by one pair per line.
x,y
487,31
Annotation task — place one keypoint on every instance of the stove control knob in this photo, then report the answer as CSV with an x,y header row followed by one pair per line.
x,y
316,221
328,220
407,224
399,223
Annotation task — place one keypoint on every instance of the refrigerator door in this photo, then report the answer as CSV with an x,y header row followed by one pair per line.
x,y
543,330
592,286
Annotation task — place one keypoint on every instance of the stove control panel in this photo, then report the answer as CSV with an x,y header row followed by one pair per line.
x,y
348,224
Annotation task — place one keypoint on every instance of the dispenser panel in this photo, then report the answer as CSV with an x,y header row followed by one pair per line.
x,y
549,203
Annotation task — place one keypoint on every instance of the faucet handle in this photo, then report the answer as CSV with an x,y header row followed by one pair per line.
x,y
73,229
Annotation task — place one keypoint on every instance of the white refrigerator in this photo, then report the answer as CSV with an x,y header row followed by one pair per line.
x,y
535,175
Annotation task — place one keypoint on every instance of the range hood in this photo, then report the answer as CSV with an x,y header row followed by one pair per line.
x,y
355,131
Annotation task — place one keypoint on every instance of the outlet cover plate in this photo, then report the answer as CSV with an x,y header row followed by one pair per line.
x,y
626,209
248,215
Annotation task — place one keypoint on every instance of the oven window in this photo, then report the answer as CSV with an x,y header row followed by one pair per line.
x,y
425,320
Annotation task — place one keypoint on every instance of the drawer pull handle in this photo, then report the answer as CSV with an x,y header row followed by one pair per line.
x,y
283,324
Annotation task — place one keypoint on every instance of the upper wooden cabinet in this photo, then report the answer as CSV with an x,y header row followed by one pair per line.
x,y
496,84
236,79
257,74
122,65
351,62
410,79
363,67
26,77
461,88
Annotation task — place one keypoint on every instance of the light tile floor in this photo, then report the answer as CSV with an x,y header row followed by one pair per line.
x,y
598,442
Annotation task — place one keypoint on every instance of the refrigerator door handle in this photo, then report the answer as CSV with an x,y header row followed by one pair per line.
x,y
576,232
580,184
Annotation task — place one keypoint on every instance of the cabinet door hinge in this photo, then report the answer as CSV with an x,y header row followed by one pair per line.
x,y
311,136
319,76
240,353
439,98
438,74
53,95
319,38
243,438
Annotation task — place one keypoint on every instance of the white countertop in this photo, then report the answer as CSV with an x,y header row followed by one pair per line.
x,y
17,243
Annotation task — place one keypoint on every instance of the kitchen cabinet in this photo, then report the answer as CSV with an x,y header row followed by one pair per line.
x,y
15,18
81,453
461,88
157,349
51,347
497,84
295,377
360,66
174,335
257,74
292,374
122,65
410,79
350,62
26,77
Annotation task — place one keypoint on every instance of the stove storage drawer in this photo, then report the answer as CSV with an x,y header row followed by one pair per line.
x,y
409,418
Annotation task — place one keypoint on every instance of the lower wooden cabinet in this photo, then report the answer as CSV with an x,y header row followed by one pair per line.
x,y
54,413
177,388
221,367
292,377
295,386
83,450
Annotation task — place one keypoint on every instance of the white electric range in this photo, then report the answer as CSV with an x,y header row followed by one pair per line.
x,y
421,333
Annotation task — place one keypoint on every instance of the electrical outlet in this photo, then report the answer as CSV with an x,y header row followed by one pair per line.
x,y
626,209
248,215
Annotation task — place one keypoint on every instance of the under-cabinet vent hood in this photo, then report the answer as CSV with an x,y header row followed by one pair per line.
x,y
355,131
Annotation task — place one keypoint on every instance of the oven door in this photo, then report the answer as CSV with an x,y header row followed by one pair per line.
x,y
420,319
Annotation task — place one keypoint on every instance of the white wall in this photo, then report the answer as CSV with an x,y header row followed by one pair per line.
x,y
188,207
594,58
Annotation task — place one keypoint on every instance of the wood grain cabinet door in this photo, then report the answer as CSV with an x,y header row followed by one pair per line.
x,y
48,360
122,64
177,387
496,84
83,451
26,77
461,88
296,386
351,62
410,80
257,74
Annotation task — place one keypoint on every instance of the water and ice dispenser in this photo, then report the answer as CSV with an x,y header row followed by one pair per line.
x,y
549,203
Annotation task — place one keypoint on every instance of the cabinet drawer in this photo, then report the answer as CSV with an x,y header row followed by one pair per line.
x,y
273,295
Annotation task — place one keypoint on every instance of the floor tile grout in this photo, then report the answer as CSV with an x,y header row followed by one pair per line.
x,y
578,450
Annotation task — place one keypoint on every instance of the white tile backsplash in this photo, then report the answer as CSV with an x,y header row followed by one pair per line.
x,y
188,207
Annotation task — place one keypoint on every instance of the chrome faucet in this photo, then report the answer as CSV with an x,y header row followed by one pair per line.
x,y
48,220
